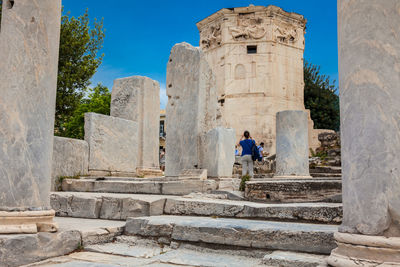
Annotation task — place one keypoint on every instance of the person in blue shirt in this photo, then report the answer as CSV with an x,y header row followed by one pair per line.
x,y
247,143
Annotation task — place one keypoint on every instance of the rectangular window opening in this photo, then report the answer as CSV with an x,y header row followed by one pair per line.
x,y
251,49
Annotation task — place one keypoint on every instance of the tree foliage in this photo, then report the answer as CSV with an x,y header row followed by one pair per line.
x,y
320,98
98,101
78,61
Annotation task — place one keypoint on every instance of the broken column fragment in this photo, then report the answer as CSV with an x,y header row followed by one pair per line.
x,y
219,151
292,144
29,42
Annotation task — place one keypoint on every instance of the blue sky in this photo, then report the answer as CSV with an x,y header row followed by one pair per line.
x,y
140,34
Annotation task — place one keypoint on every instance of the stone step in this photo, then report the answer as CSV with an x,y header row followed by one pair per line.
x,y
325,175
326,169
121,206
136,251
294,190
298,237
133,185
289,259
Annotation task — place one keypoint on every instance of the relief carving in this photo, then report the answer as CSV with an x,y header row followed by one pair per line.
x,y
211,37
249,27
287,35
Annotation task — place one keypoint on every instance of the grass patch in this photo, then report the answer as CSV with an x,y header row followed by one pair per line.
x,y
245,178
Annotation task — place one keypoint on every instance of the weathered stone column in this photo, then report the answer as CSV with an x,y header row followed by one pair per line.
x,y
292,144
137,98
191,109
369,76
29,42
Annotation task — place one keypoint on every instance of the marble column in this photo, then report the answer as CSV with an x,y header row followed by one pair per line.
x,y
29,43
369,76
292,144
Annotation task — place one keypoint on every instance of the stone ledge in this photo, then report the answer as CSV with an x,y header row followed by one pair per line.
x,y
27,222
161,187
361,250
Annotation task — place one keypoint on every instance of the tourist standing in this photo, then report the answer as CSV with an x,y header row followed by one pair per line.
x,y
247,143
162,159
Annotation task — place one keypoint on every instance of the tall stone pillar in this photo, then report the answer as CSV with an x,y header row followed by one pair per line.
x,y
191,109
137,98
369,76
292,144
29,43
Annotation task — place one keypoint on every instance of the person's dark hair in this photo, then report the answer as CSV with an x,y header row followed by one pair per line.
x,y
246,134
262,143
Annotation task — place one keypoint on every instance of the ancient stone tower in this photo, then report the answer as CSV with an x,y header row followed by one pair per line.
x,y
256,54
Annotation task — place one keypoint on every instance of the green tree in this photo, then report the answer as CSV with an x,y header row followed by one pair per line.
x,y
78,61
320,98
98,101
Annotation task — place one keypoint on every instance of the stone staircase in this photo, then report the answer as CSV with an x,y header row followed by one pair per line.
x,y
194,226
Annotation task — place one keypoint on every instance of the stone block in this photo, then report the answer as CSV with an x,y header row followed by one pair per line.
x,y
105,205
191,110
219,152
292,144
289,259
70,205
145,173
17,250
113,143
70,158
294,190
188,174
111,208
185,187
137,98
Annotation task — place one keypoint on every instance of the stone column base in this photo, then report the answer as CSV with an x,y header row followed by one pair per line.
x,y
365,251
149,172
27,222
